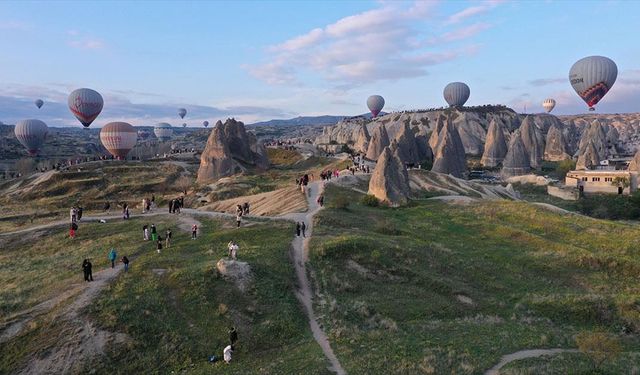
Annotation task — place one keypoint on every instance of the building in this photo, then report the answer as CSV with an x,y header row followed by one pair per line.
x,y
610,181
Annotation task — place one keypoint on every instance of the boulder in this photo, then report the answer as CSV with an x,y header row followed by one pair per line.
x,y
379,140
495,147
556,146
390,180
533,141
230,149
449,155
236,272
517,160
362,139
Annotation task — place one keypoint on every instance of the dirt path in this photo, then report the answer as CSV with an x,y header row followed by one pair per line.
x,y
304,294
523,354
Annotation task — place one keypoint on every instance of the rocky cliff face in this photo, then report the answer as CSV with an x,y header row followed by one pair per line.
x,y
362,139
556,145
448,154
533,141
495,147
379,140
407,146
589,157
634,166
390,180
517,161
627,126
230,150
594,136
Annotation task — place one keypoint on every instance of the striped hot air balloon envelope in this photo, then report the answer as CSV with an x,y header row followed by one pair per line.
x,y
375,103
86,105
32,134
163,131
592,77
118,138
548,104
456,94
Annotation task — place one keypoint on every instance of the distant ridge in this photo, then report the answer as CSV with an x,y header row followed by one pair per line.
x,y
308,120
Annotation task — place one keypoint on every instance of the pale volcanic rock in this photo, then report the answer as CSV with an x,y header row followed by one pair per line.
x,y
379,140
495,147
517,161
589,158
449,156
556,146
533,141
362,139
390,180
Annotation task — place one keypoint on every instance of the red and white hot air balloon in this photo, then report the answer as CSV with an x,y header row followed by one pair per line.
x,y
86,105
118,138
31,133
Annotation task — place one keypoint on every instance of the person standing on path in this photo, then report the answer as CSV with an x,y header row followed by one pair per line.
x,y
239,219
145,232
233,336
112,257
168,238
154,233
297,229
171,202
89,267
86,269
159,246
303,227
194,231
125,261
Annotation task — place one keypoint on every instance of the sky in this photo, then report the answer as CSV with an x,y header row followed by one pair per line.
x,y
260,60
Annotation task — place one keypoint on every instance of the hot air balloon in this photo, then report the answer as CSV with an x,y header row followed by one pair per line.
x,y
592,77
39,103
548,104
143,134
375,104
206,123
86,105
184,125
163,131
456,94
182,112
31,133
118,138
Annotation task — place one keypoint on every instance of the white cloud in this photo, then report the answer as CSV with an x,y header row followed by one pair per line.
x,y
88,43
378,44
472,11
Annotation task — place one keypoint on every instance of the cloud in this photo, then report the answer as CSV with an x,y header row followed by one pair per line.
x,y
461,33
87,44
548,81
14,25
472,11
17,103
375,45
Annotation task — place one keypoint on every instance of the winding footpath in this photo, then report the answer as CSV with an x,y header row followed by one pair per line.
x,y
92,341
523,354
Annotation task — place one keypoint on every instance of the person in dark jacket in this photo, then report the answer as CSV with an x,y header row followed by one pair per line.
x,y
125,261
86,269
303,227
297,229
233,335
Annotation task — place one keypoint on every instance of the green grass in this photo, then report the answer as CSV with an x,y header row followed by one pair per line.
x,y
390,281
573,363
535,193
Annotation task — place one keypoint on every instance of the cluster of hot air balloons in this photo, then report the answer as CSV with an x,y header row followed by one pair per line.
x,y
591,77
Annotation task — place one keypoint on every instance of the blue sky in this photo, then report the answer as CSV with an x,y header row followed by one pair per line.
x,y
259,60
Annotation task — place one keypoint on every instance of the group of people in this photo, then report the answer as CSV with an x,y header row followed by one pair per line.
x,y
303,182
148,204
150,233
175,205
328,174
301,227
228,350
75,215
113,255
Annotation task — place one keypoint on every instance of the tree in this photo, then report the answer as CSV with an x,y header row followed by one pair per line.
x,y
184,183
564,167
621,182
598,346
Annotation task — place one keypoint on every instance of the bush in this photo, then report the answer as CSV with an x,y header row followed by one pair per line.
x,y
612,207
564,167
370,200
598,346
340,202
387,227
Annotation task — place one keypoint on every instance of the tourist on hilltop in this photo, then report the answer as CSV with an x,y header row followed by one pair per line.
x,y
79,213
145,232
303,227
233,335
239,210
125,261
297,229
112,257
86,269
182,201
245,208
72,214
154,233
73,227
148,207
226,353
194,231
144,205
168,238
239,219
171,203
159,246
107,207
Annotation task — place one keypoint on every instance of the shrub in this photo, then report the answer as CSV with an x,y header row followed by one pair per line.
x,y
340,202
370,200
387,227
564,167
598,346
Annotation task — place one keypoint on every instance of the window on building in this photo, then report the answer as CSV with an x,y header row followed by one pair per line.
x,y
584,179
595,179
608,179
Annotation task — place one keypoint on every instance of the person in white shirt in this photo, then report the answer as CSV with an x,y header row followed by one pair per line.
x,y
227,352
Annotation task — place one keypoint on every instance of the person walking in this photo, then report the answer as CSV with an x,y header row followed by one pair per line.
x,y
72,230
171,203
145,232
303,227
159,246
112,257
194,231
297,229
154,233
89,267
239,219
125,261
85,269
168,238
227,353
233,335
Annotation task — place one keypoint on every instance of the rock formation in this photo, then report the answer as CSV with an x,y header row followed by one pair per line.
x,y
422,142
472,134
533,141
379,140
449,155
433,140
634,165
362,140
230,150
517,161
589,157
556,146
495,146
613,137
407,147
596,135
390,180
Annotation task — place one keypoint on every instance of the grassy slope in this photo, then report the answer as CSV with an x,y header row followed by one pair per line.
x,y
536,278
